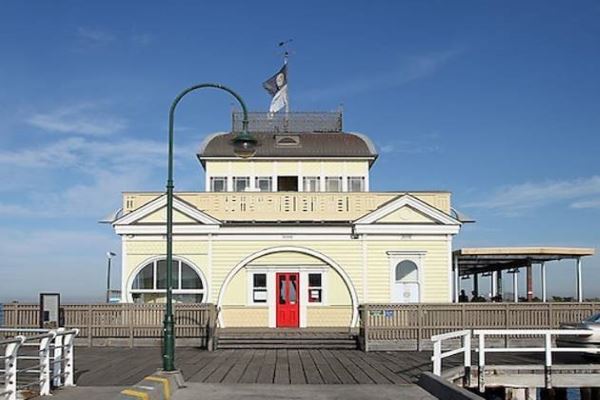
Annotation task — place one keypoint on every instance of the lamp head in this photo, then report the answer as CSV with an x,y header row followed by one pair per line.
x,y
244,144
110,254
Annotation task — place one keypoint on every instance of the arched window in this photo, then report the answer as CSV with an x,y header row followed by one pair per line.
x,y
407,271
150,283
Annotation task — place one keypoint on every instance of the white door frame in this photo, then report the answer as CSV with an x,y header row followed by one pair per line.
x,y
395,257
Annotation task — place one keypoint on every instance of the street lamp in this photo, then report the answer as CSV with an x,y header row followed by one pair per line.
x,y
109,256
244,145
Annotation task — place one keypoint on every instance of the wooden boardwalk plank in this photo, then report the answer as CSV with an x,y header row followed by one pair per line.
x,y
373,373
251,373
282,367
267,369
296,371
358,375
235,374
310,369
380,367
336,366
219,374
329,377
212,366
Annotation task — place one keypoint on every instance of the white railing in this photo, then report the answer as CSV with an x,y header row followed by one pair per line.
x,y
548,349
53,353
465,348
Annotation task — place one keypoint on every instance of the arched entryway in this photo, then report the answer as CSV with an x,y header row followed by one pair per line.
x,y
266,288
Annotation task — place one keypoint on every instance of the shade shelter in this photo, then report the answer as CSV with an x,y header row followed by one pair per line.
x,y
492,260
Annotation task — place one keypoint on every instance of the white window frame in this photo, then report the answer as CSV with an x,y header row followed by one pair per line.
x,y
176,290
251,288
361,179
266,178
212,183
321,288
395,258
315,179
239,178
339,179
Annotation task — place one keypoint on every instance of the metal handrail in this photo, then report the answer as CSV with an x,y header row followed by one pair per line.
x,y
547,349
55,355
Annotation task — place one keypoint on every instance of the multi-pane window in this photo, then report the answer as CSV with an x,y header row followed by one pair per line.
x,y
218,184
311,184
315,288
333,183
356,183
150,284
259,288
241,183
264,183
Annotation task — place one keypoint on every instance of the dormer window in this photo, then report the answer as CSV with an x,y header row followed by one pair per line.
x,y
287,140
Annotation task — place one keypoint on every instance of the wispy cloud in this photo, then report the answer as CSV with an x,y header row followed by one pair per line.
x,y
413,68
515,199
81,119
141,39
95,36
409,147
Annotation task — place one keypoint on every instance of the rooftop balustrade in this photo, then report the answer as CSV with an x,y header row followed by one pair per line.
x,y
287,206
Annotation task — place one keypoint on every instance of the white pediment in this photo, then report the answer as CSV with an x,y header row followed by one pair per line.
x,y
155,212
407,209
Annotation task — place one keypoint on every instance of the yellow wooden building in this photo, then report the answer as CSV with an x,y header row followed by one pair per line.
x,y
292,237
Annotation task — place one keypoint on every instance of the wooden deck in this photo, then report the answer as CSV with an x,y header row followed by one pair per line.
x,y
112,366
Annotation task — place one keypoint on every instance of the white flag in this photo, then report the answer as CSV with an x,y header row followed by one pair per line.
x,y
277,87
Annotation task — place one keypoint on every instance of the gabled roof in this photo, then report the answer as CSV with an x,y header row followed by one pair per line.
x,y
155,205
406,200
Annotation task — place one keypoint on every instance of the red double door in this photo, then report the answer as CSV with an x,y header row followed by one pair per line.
x,y
288,308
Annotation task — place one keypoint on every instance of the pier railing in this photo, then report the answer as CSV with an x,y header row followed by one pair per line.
x,y
483,348
123,324
36,360
410,326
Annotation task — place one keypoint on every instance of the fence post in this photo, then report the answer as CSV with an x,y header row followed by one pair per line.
x,y
467,359
419,326
89,325
10,367
548,360
130,317
437,357
481,370
45,363
57,358
551,316
69,358
210,329
506,321
366,314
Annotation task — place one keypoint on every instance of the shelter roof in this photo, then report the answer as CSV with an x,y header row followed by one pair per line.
x,y
487,259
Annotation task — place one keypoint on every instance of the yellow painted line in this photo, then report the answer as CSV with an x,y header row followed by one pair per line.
x,y
164,381
136,393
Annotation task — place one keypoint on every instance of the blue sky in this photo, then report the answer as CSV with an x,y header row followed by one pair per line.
x,y
498,102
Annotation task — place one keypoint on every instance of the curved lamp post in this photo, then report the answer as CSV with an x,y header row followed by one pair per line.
x,y
244,145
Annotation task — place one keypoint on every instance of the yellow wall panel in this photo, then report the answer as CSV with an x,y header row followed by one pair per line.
x,y
328,316
246,317
406,214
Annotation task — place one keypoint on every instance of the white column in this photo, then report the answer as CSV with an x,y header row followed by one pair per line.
x,y
516,285
543,272
456,280
494,283
579,283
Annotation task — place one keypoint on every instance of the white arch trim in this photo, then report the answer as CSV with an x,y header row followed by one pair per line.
x,y
138,268
294,249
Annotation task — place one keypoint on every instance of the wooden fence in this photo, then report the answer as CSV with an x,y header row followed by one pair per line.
x,y
401,327
124,324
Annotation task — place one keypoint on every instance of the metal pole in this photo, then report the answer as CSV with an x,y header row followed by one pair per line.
x,y
108,279
543,271
529,283
494,284
515,285
476,284
169,321
456,280
579,283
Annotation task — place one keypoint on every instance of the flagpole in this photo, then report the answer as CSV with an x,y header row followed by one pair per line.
x,y
287,79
